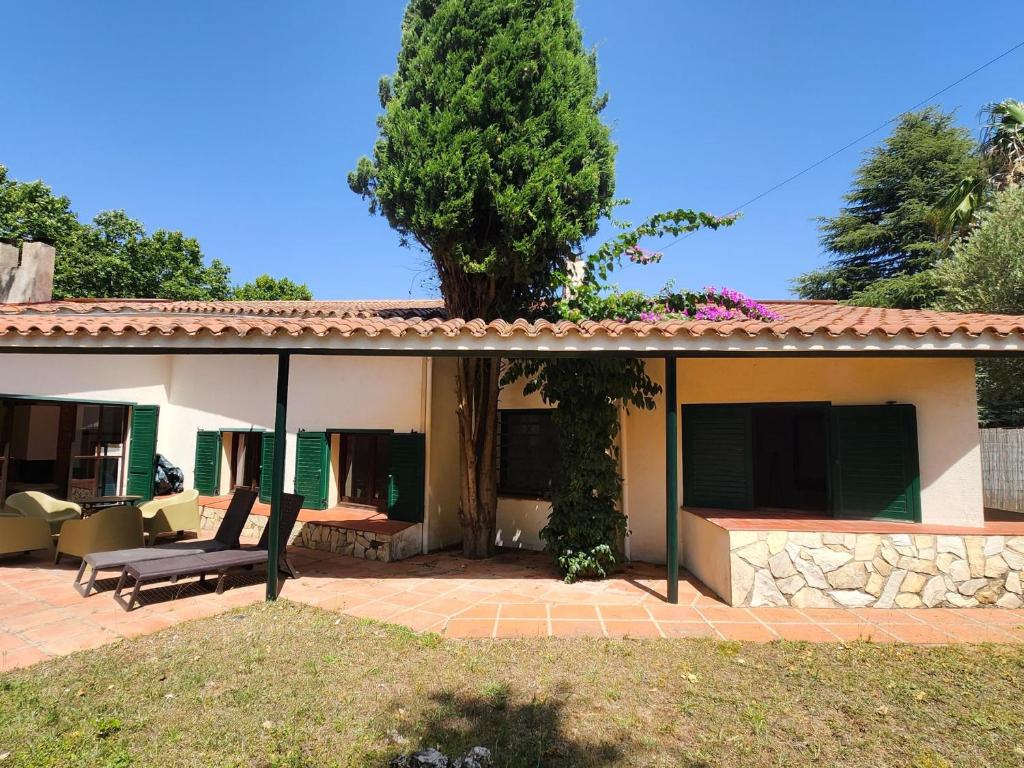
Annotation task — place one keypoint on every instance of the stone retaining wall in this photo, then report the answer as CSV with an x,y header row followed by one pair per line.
x,y
367,545
825,570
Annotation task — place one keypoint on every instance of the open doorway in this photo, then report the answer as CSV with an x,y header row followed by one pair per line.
x,y
363,469
63,449
790,457
246,457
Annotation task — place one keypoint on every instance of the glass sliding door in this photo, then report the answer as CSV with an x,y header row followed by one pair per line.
x,y
97,450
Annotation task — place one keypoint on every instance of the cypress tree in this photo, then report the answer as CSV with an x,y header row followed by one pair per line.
x,y
492,157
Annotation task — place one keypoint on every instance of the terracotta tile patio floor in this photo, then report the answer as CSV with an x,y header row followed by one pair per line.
x,y
513,595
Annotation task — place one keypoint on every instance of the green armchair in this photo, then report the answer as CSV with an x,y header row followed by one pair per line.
x,y
43,507
23,534
172,514
117,527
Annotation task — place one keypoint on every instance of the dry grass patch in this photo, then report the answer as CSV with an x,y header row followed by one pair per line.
x,y
290,685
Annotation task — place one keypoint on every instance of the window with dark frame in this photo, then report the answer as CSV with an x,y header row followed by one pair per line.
x,y
528,456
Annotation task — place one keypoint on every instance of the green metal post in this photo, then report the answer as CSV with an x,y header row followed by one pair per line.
x,y
671,488
277,474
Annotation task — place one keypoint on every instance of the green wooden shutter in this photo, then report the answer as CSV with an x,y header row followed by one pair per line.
x,y
718,464
312,457
206,473
874,462
266,466
142,451
406,469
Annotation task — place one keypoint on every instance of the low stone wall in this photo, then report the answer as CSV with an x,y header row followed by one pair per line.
x,y
825,570
367,545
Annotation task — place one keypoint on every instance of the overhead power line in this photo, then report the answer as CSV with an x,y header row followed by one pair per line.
x,y
860,138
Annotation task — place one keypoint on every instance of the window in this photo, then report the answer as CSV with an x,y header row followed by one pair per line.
x,y
527,453
363,469
853,460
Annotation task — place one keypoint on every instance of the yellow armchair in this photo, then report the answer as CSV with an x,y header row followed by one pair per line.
x,y
117,527
39,505
172,514
23,534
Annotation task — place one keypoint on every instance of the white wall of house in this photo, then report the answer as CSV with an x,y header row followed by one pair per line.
x,y
942,389
324,392
231,392
443,486
237,392
112,378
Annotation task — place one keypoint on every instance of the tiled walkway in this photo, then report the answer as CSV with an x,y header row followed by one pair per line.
x,y
512,595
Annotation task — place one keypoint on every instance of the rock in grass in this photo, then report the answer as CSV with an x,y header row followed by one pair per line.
x,y
477,757
425,758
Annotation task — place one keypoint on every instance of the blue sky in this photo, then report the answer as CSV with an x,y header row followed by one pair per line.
x,y
236,121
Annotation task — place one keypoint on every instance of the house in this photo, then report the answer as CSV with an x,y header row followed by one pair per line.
x,y
827,458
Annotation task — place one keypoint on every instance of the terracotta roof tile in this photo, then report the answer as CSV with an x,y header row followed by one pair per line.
x,y
145,317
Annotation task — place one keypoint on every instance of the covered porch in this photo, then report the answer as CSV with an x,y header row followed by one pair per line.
x,y
817,353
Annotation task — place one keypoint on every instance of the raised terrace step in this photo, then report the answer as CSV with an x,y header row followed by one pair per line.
x,y
775,558
351,531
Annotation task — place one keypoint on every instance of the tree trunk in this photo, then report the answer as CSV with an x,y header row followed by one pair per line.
x,y
477,396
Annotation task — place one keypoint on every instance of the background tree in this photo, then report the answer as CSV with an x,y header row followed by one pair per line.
x,y
986,274
1001,155
114,256
493,158
887,231
31,209
267,288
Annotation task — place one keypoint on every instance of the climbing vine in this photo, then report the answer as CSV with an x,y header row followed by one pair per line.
x,y
586,525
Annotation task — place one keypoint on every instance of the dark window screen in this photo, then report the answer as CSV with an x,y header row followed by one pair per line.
x,y
528,453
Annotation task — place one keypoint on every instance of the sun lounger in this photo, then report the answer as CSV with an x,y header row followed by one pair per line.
x,y
174,568
228,532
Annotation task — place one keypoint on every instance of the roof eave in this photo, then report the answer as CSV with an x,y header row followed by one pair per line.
x,y
411,343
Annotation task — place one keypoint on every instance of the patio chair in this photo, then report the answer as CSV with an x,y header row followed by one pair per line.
x,y
117,527
227,536
174,568
37,504
23,534
171,514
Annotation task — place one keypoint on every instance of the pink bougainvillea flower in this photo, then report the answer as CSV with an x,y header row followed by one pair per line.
x,y
639,255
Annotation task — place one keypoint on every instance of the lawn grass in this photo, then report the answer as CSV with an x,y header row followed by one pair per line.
x,y
291,685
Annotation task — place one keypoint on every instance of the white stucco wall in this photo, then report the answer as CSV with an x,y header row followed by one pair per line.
x,y
324,392
942,389
222,391
443,488
112,378
231,392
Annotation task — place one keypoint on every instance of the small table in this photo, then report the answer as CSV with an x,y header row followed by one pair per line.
x,y
91,504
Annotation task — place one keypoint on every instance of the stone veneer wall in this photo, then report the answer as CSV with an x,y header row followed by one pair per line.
x,y
825,570
367,545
